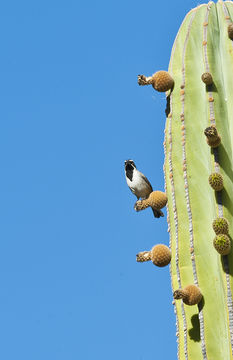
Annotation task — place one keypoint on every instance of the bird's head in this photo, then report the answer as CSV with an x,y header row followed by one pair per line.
x,y
129,165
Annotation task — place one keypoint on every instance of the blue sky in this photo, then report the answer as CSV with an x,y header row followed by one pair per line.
x,y
71,113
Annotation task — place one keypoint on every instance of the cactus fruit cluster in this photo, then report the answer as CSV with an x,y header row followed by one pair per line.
x,y
198,150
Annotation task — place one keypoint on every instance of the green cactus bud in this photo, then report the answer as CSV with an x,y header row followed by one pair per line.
x,y
220,226
216,181
222,244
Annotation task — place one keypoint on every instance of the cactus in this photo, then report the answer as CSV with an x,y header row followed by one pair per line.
x,y
197,103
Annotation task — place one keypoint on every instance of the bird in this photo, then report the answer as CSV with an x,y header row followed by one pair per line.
x,y
139,184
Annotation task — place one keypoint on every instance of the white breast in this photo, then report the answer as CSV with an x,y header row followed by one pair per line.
x,y
138,185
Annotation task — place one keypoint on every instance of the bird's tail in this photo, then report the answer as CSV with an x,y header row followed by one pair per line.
x,y
157,213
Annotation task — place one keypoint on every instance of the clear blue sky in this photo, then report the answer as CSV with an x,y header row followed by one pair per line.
x,y
71,113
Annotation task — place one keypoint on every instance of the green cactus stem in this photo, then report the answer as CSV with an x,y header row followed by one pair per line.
x,y
202,45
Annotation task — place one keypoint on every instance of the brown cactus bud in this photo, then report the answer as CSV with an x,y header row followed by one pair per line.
x,y
160,255
216,181
230,31
162,81
191,295
214,143
207,78
222,244
211,132
220,226
212,137
157,200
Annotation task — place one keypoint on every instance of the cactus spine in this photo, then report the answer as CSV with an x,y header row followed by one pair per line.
x,y
202,46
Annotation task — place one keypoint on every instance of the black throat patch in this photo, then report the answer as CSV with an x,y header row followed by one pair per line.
x,y
129,171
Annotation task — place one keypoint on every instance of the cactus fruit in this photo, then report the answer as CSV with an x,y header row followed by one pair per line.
x,y
201,46
222,244
216,181
191,295
160,255
220,226
157,200
207,78
161,81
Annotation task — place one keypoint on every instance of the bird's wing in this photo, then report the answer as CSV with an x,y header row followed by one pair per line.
x,y
147,181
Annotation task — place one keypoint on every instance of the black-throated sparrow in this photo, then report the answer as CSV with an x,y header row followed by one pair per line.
x,y
139,184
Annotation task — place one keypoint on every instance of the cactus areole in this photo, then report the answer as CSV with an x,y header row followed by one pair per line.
x,y
203,45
